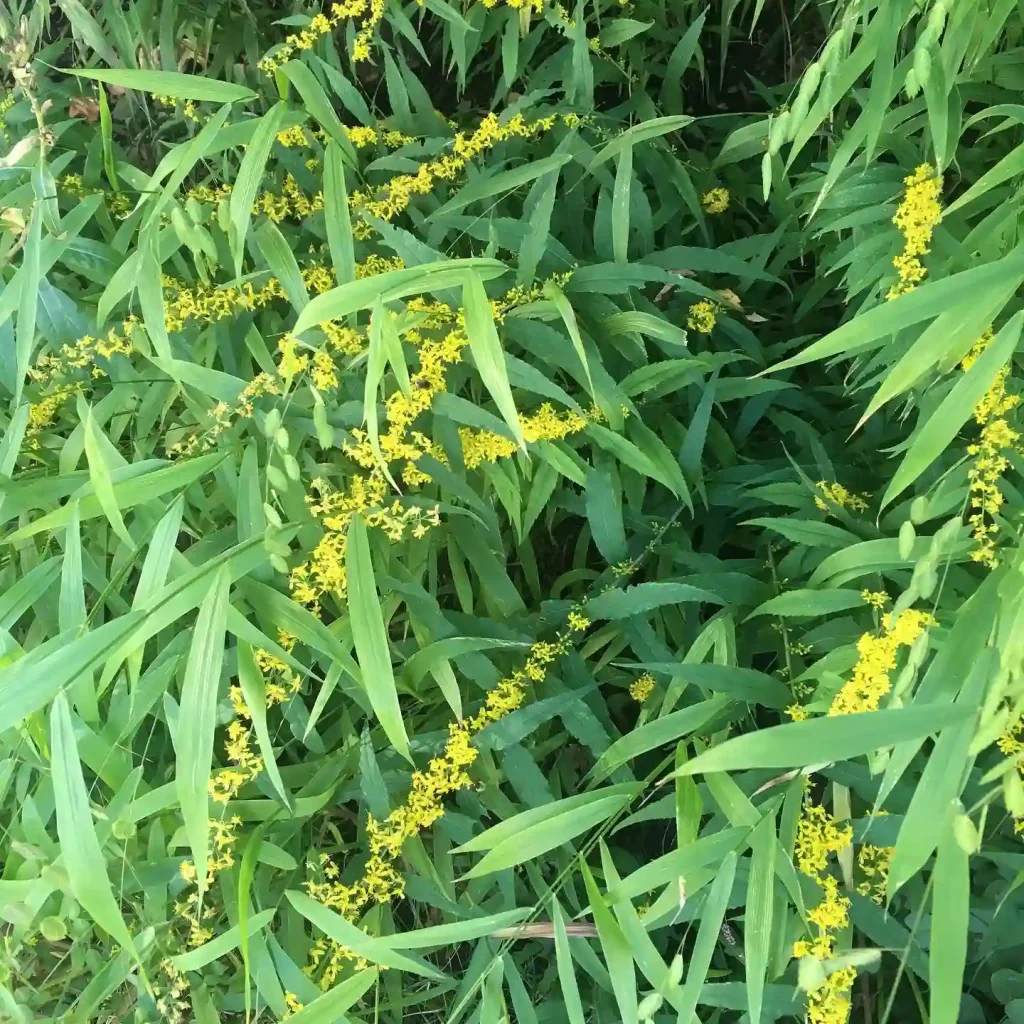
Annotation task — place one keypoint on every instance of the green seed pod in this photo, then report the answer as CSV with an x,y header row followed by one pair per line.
x,y
123,829
281,438
279,564
649,1005
918,652
324,431
291,467
811,79
53,929
927,583
271,513
1013,793
919,509
675,970
271,422
966,834
277,479
777,132
922,64
906,542
55,875
911,86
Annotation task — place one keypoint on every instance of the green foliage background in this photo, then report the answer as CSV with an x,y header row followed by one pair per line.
x,y
265,538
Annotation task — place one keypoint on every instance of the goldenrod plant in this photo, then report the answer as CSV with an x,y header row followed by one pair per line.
x,y
511,511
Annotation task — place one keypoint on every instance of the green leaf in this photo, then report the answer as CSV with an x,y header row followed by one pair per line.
x,y
646,597
224,943
504,181
658,733
759,914
603,502
942,426
337,217
617,954
566,971
197,719
487,352
809,603
950,924
395,284
377,951
169,83
329,1007
96,447
458,931
507,830
83,858
254,693
871,328
554,293
250,176
651,129
28,304
554,830
278,253
620,204
370,637
315,100
711,919
823,740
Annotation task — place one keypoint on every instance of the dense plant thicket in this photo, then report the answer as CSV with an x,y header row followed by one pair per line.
x,y
511,512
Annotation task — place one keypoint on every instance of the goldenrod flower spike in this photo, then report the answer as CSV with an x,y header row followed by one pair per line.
x,y
445,774
916,217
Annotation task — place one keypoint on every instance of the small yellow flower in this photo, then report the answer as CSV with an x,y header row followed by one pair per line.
x,y
797,712
578,622
642,687
876,598
716,201
870,682
702,317
838,495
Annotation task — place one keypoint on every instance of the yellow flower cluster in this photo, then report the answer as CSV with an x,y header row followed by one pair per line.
x,y
877,658
480,446
439,340
702,317
118,203
359,135
41,414
537,6
989,461
291,201
244,764
878,599
445,774
818,835
916,218
223,836
393,197
172,995
839,495
642,687
224,416
716,201
874,862
1011,743
84,352
5,105
321,25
